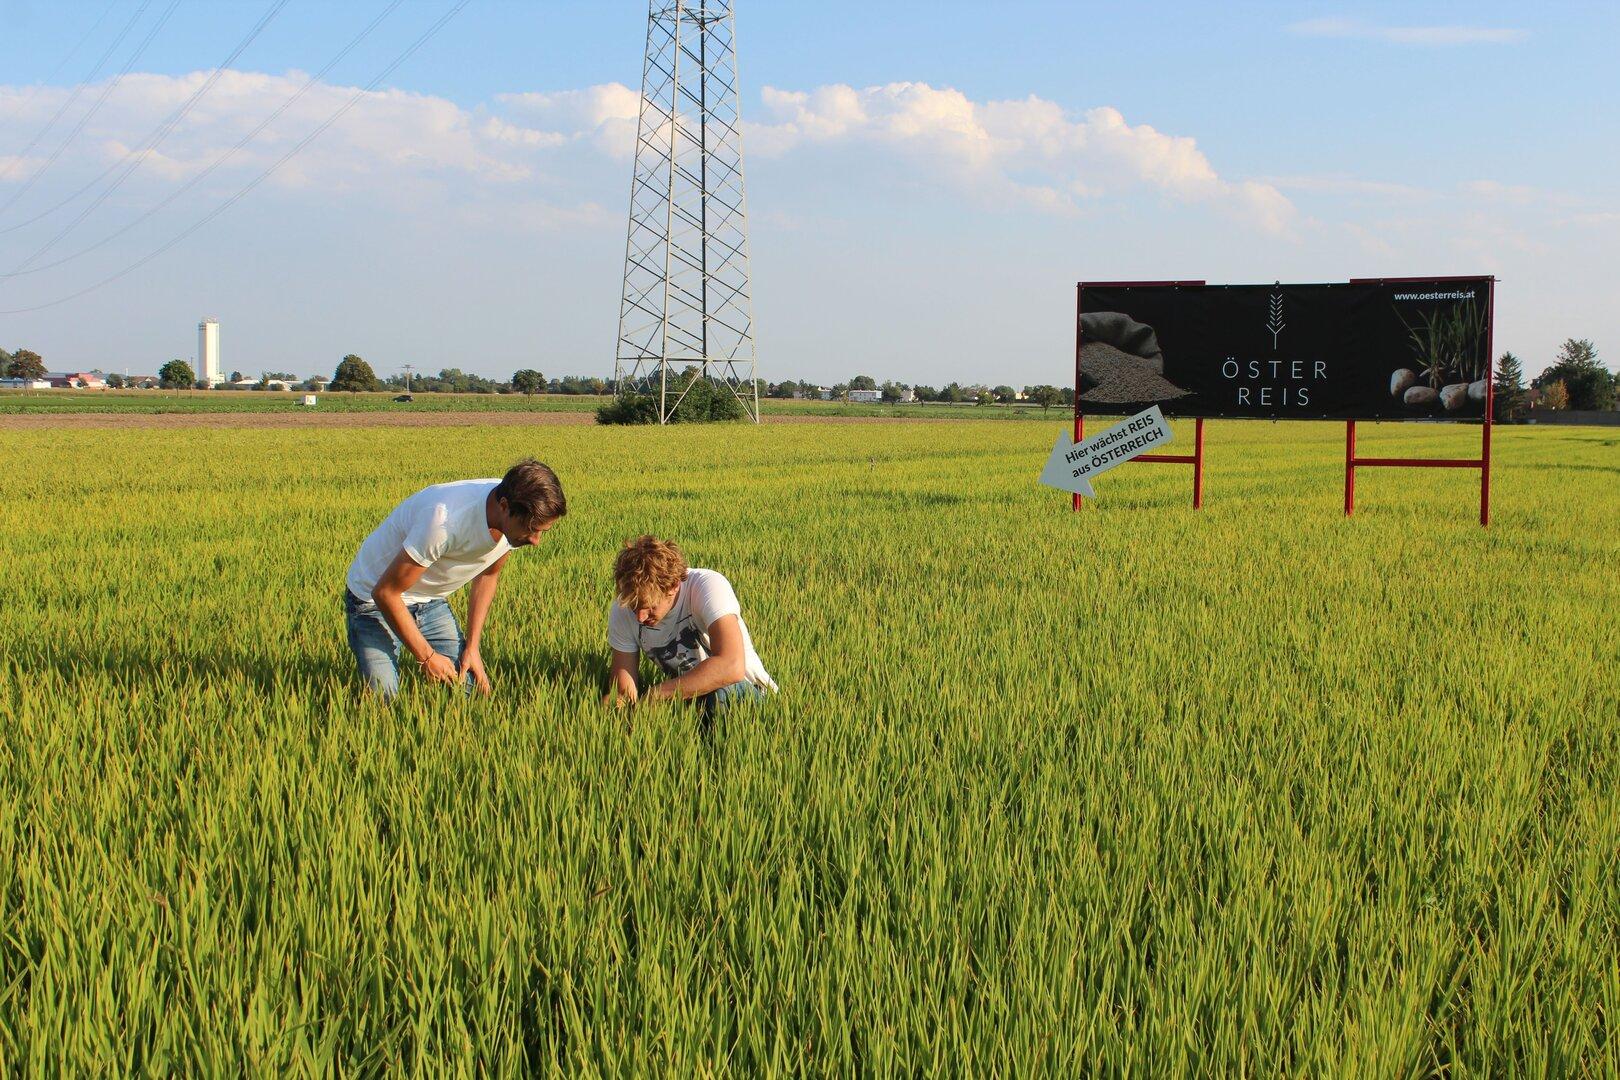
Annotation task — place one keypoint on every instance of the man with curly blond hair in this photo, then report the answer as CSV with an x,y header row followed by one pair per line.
x,y
687,621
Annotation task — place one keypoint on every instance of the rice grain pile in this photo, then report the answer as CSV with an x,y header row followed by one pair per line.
x,y
1110,376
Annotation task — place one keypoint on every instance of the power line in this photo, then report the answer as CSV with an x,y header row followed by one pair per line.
x,y
95,108
155,136
263,176
81,86
164,131
222,158
62,63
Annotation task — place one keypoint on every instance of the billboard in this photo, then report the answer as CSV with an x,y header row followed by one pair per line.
x,y
1368,350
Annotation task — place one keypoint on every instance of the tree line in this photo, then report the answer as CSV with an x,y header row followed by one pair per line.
x,y
1576,379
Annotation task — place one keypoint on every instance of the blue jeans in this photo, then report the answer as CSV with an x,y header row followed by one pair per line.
x,y
376,646
720,700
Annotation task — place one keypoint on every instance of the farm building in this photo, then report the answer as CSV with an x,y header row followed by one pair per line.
x,y
86,380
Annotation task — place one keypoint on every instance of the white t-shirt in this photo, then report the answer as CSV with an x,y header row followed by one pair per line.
x,y
444,528
680,640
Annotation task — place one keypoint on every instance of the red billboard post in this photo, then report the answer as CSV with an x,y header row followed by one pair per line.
x,y
1482,463
1196,458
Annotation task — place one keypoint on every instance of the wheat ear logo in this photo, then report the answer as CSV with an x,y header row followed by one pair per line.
x,y
1275,323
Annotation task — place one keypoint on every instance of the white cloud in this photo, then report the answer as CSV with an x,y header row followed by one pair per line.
x,y
1029,149
1600,218
1424,36
1343,184
1496,191
387,131
501,131
605,114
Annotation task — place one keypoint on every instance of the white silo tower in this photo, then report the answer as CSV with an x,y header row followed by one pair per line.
x,y
208,352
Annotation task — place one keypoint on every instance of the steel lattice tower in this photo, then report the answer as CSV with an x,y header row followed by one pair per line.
x,y
687,298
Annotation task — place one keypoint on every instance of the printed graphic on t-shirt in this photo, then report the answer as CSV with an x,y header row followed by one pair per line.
x,y
683,652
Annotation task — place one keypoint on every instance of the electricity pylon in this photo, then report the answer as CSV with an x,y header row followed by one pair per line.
x,y
687,298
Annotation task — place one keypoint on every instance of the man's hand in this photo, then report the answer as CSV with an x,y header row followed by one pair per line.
x,y
622,680
440,668
479,600
471,661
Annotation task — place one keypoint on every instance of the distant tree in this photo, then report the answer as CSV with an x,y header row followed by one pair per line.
x,y
984,397
176,375
5,364
451,381
26,364
115,381
953,393
528,381
925,393
281,376
1509,388
863,382
1045,397
236,376
628,409
893,393
1589,384
1005,394
598,385
840,391
354,374
1555,395
702,401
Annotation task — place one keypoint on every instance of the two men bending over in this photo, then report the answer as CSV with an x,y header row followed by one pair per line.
x,y
687,621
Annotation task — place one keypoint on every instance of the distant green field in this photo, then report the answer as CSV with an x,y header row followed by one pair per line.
x,y
1253,790
253,401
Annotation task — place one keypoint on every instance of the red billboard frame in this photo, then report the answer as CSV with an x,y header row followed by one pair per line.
x,y
1482,463
1351,460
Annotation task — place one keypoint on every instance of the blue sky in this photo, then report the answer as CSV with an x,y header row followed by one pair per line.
x,y
927,181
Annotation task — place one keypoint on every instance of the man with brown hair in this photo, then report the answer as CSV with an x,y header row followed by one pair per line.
x,y
432,544
688,621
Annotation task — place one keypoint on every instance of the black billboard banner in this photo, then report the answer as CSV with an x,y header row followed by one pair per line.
x,y
1366,350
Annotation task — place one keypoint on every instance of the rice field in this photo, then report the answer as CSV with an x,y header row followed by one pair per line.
x,y
1250,790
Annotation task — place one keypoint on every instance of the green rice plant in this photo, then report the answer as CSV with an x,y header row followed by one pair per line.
x,y
1450,341
1469,336
1255,789
1430,346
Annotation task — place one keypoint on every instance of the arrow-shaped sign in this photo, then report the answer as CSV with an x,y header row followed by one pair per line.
x,y
1073,465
